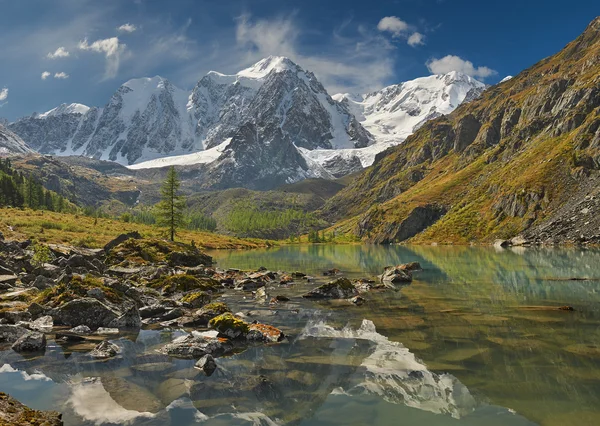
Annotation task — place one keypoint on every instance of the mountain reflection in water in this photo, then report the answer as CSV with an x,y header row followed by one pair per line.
x,y
475,332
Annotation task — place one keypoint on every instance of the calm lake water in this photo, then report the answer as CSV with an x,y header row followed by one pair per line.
x,y
476,339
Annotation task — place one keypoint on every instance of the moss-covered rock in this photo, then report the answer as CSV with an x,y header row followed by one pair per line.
x,y
12,412
146,251
202,316
76,288
342,288
197,299
185,283
229,325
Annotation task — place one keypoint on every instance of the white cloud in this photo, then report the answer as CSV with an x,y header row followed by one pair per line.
x,y
359,64
45,75
394,25
454,63
61,75
111,48
416,39
61,52
127,28
4,94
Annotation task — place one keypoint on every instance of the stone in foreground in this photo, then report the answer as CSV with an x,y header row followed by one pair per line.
x,y
12,412
33,341
192,347
105,350
207,364
341,288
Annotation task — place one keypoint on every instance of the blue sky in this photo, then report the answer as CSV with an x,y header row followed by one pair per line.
x,y
63,51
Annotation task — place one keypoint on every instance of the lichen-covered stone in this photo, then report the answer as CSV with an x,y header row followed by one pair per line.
x,y
229,325
12,412
264,333
192,347
341,288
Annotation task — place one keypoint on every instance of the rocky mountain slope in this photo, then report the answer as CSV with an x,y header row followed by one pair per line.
x,y
522,158
11,143
267,125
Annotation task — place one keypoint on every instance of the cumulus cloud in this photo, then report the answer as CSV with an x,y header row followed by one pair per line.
x,y
358,63
61,52
455,63
416,39
4,94
61,75
127,28
112,49
45,75
394,25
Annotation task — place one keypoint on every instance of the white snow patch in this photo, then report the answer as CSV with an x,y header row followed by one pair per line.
x,y
202,157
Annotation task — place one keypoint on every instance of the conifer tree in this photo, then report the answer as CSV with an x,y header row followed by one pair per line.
x,y
170,208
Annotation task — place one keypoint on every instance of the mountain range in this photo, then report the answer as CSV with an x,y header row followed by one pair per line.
x,y
269,124
523,159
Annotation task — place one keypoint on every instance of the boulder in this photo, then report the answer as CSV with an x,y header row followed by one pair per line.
x,y
248,285
11,333
412,266
130,319
43,324
9,280
152,311
191,347
85,311
501,244
228,325
14,317
188,258
41,282
105,350
12,412
202,316
358,300
396,275
32,341
82,330
196,299
264,333
120,239
207,364
341,288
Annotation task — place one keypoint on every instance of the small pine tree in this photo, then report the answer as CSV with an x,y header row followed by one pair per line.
x,y
170,208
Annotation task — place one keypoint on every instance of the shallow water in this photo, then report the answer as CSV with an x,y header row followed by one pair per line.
x,y
476,339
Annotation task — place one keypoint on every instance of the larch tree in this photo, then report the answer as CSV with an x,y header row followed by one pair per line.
x,y
170,208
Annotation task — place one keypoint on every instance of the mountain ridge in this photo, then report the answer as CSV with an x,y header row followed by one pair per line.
x,y
505,164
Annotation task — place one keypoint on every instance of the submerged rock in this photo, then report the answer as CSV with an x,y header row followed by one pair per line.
x,y
33,341
105,350
12,412
207,364
341,288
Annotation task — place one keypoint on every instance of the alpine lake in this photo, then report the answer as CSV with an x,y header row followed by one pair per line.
x,y
478,338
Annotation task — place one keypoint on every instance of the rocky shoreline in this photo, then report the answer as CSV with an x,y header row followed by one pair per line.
x,y
78,295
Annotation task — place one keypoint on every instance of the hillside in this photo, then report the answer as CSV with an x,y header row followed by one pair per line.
x,y
522,158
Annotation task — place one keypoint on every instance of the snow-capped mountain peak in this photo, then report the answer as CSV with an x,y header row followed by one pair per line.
x,y
267,65
65,109
270,123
